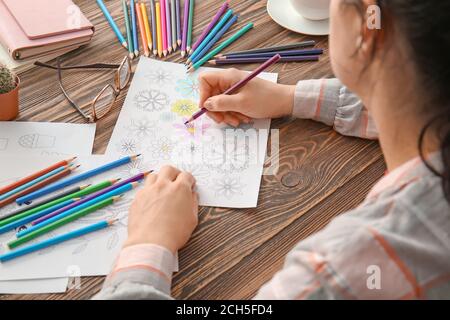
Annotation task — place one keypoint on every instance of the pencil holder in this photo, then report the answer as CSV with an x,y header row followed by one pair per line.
x,y
9,96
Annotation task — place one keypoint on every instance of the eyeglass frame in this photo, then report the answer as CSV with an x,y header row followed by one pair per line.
x,y
117,88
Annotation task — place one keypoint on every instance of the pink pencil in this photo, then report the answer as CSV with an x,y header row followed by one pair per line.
x,y
164,26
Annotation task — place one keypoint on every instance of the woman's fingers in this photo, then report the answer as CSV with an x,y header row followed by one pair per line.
x,y
168,173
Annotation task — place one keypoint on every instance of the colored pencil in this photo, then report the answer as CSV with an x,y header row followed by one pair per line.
x,y
93,196
128,29
134,28
303,44
147,26
179,32
185,27
312,52
75,179
168,27
40,203
173,16
44,206
154,32
190,27
159,29
29,234
211,25
240,84
221,62
225,44
31,183
35,175
142,32
200,54
112,23
18,223
38,186
58,239
164,27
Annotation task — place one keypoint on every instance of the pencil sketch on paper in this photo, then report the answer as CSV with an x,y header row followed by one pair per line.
x,y
228,187
3,144
160,77
151,100
128,146
142,128
37,141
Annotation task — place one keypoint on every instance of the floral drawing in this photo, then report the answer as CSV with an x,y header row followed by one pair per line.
x,y
160,77
167,117
141,128
228,187
151,100
184,107
162,148
199,171
188,88
194,130
227,159
128,146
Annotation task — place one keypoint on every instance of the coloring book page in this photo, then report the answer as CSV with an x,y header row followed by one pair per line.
x,y
34,286
46,138
92,254
226,162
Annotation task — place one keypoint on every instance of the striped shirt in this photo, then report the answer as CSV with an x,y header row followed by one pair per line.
x,y
395,245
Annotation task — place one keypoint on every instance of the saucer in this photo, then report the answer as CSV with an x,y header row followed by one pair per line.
x,y
283,13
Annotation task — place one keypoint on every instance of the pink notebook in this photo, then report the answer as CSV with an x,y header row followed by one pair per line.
x,y
31,28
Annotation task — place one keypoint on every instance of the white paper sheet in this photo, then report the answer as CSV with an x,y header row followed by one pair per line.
x,y
45,138
161,97
34,286
92,254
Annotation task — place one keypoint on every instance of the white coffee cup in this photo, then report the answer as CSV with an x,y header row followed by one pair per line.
x,y
312,9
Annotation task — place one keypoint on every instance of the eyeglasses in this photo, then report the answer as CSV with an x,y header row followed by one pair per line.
x,y
103,102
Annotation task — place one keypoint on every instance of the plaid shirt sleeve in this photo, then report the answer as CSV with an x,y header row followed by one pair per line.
x,y
329,102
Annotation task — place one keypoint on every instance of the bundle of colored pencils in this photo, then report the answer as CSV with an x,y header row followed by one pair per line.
x,y
63,208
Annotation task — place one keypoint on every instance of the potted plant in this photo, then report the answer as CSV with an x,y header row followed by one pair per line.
x,y
9,94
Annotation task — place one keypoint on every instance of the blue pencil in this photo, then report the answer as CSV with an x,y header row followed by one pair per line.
x,y
112,23
113,193
58,239
65,183
211,35
35,216
31,183
134,28
216,38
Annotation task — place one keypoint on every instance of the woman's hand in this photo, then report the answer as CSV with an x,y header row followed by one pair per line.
x,y
165,211
258,99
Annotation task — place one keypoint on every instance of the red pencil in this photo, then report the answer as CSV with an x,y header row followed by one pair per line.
x,y
38,186
240,84
35,176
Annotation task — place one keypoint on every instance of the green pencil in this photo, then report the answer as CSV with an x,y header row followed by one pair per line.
x,y
128,27
81,193
59,223
225,44
191,23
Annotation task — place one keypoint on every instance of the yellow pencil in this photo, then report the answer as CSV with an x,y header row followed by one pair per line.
x,y
147,26
158,28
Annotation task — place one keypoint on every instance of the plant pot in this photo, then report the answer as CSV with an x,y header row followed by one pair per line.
x,y
9,103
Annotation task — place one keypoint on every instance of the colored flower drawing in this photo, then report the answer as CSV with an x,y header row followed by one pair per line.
x,y
194,130
151,100
162,148
188,88
128,146
184,107
141,128
228,187
160,77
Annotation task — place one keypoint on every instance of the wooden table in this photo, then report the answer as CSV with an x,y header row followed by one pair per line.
x,y
233,252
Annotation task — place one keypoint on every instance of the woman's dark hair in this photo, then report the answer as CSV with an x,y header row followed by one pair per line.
x,y
425,25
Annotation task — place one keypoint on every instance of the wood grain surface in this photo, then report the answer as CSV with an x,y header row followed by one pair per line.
x,y
232,252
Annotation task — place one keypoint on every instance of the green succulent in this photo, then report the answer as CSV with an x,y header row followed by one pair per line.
x,y
7,80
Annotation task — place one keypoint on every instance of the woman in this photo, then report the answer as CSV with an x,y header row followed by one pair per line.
x,y
395,245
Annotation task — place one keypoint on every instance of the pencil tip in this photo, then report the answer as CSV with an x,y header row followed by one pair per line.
x,y
183,54
136,53
125,44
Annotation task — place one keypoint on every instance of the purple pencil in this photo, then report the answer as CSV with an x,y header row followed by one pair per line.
x,y
211,25
228,61
185,28
136,178
169,27
178,18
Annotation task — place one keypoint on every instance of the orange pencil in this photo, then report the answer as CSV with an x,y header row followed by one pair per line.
x,y
38,186
147,26
159,29
35,176
142,30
